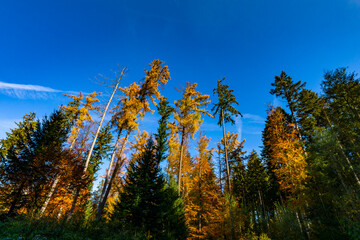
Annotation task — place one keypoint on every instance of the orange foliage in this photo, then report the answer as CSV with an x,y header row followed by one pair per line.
x,y
287,154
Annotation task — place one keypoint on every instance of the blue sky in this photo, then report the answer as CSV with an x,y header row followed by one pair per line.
x,y
57,46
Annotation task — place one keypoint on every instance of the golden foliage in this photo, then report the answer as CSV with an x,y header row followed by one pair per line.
x,y
81,112
287,154
189,110
203,206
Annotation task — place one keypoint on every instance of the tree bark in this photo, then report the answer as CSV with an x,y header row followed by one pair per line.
x,y
226,154
101,121
16,199
181,158
220,180
343,151
48,196
110,165
107,191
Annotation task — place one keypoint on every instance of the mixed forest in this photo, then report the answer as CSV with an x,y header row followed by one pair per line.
x,y
303,184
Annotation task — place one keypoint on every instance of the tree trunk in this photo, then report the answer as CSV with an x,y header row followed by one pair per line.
x,y
107,191
101,121
181,159
48,196
343,151
110,165
16,199
220,180
226,154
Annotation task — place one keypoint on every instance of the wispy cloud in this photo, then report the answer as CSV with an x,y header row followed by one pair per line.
x,y
254,118
239,126
24,91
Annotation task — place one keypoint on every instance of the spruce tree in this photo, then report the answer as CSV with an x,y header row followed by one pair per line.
x,y
257,186
161,137
31,168
289,90
145,207
226,111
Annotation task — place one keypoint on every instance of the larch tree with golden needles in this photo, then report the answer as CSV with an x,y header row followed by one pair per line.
x,y
188,116
135,104
115,85
226,111
203,204
286,152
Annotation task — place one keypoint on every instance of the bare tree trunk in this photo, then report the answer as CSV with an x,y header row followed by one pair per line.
x,y
300,225
200,197
181,159
102,119
107,191
226,153
59,213
48,196
110,165
220,180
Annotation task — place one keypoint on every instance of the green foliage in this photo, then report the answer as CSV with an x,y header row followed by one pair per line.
x,y
26,228
330,197
225,107
145,206
161,137
33,161
285,225
285,87
17,138
101,150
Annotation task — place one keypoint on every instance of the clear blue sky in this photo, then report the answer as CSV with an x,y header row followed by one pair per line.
x,y
60,45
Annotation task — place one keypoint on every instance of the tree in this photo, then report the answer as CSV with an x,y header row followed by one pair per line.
x,y
226,112
115,86
12,163
161,137
31,167
285,87
286,153
100,151
257,182
203,205
140,208
129,108
80,114
341,92
188,116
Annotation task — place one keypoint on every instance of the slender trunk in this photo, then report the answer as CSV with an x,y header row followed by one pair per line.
x,y
228,175
16,199
48,196
72,143
73,203
220,180
300,225
181,159
264,210
343,151
59,213
102,120
226,153
110,165
107,191
200,196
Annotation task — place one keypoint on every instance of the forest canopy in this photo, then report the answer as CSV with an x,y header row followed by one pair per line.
x,y
170,184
